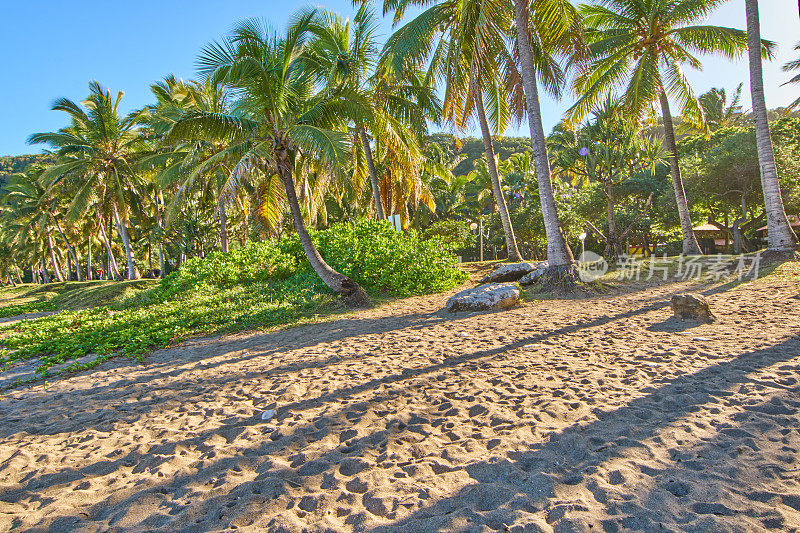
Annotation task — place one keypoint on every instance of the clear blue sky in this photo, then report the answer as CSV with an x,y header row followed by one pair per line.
x,y
53,48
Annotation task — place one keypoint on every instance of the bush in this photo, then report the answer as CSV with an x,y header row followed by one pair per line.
x,y
260,285
257,261
383,260
454,233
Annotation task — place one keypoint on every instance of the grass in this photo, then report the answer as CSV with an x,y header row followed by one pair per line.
x,y
126,319
71,295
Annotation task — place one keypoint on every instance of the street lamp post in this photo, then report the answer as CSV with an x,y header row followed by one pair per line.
x,y
582,237
481,233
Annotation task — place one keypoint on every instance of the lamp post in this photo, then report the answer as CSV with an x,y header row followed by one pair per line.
x,y
481,233
582,237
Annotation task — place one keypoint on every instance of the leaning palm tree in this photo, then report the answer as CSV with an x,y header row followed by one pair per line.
x,y
556,30
286,115
96,154
466,43
643,44
779,233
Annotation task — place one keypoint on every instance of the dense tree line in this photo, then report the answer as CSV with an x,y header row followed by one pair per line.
x,y
286,131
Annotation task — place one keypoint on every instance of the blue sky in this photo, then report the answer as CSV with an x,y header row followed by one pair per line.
x,y
54,48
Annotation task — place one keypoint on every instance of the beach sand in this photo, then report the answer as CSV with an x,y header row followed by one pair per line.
x,y
595,414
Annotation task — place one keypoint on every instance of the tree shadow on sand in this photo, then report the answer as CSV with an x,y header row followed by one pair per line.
x,y
506,491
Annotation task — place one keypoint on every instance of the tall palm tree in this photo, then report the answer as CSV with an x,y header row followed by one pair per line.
x,y
97,152
466,43
779,232
643,44
192,163
286,115
556,29
399,103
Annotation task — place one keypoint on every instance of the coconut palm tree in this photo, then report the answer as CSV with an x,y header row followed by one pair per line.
x,y
643,45
97,153
191,163
792,66
467,45
544,30
399,103
779,232
286,115
720,113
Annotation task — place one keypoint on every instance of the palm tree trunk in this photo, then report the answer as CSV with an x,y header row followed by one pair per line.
x,y
690,244
559,253
16,272
780,236
70,249
45,274
223,226
491,164
161,258
373,175
351,291
112,263
89,258
133,272
56,270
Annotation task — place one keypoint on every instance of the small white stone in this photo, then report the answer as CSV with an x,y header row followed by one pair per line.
x,y
268,414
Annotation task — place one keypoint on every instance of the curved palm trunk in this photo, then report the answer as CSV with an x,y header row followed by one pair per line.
x,y
337,282
373,175
779,233
45,274
491,164
133,272
112,263
559,253
17,274
70,249
223,226
690,244
56,270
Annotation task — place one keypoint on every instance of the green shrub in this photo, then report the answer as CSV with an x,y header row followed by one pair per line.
x,y
383,260
454,233
260,285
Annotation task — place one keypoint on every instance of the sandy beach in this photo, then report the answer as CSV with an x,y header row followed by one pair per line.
x,y
596,414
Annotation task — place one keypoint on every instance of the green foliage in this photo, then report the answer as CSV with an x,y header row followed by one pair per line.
x,y
30,307
384,261
133,330
255,262
454,233
260,285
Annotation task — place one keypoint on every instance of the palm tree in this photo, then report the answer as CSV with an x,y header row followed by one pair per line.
x,y
792,66
556,28
286,116
193,163
466,43
643,44
720,113
780,235
398,103
96,152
